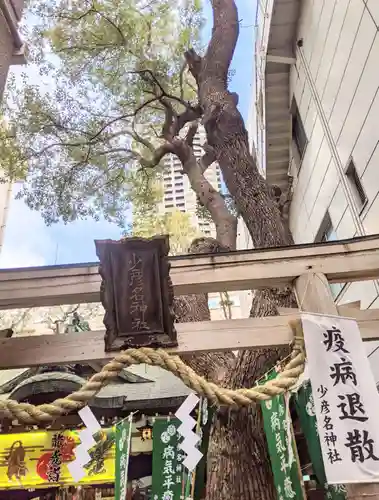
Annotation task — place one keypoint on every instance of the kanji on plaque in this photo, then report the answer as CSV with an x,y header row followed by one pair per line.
x,y
168,473
281,447
346,399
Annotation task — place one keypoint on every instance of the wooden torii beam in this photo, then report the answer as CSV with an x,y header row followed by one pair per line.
x,y
348,260
203,336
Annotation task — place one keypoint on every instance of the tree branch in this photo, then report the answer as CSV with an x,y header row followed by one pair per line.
x,y
191,133
223,41
225,222
191,112
157,156
208,158
194,62
168,128
189,115
117,28
181,74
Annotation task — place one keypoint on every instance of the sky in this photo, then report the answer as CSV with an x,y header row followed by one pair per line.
x,y
29,242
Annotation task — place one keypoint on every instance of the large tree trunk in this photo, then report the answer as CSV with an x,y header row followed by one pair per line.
x,y
239,465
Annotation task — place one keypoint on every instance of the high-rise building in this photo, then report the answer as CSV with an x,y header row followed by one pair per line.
x,y
178,193
317,103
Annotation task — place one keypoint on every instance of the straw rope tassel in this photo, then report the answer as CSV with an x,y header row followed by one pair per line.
x,y
31,414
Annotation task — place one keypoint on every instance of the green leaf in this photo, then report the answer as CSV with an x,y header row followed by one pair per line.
x,y
75,125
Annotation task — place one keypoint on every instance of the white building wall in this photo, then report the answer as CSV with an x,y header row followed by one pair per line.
x,y
8,57
335,84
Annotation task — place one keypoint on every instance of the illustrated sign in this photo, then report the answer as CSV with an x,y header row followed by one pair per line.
x,y
346,399
168,480
281,447
41,458
123,440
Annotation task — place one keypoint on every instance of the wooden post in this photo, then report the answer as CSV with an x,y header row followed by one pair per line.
x,y
314,295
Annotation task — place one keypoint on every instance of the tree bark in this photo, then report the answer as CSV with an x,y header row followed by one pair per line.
x,y
225,222
226,132
238,459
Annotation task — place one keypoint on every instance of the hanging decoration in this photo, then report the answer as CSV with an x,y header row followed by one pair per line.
x,y
190,438
172,479
87,441
346,399
203,428
305,409
281,446
123,440
169,475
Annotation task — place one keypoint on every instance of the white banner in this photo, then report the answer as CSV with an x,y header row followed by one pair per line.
x,y
346,399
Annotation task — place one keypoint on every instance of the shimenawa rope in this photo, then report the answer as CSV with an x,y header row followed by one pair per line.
x,y
31,414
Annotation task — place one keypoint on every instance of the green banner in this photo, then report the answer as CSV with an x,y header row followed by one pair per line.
x,y
205,423
281,447
169,477
123,438
305,408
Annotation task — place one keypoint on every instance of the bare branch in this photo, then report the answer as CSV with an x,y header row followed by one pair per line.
x,y
194,62
158,155
225,222
117,28
168,129
189,115
208,158
191,133
181,74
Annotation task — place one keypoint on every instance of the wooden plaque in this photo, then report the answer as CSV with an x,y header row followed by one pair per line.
x,y
136,292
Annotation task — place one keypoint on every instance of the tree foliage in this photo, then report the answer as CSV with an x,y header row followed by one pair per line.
x,y
176,224
12,164
148,220
110,71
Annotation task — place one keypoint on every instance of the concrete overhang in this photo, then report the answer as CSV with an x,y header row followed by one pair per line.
x,y
11,18
280,56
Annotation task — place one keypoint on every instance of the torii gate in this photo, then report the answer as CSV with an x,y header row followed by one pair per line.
x,y
308,268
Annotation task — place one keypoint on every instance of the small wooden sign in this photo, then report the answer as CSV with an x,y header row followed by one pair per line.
x,y
136,292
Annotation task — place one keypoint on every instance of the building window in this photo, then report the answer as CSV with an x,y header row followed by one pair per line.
x,y
325,233
356,188
298,132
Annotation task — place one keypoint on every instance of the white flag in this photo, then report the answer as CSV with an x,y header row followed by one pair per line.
x,y
346,399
